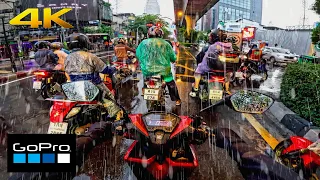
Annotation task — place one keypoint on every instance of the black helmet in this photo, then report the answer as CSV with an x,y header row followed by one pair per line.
x,y
78,41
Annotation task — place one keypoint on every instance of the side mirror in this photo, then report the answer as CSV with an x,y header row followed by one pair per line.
x,y
252,102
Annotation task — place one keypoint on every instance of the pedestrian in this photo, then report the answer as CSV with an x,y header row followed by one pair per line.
x,y
263,69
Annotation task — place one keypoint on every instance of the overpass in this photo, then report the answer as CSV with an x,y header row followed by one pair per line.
x,y
188,12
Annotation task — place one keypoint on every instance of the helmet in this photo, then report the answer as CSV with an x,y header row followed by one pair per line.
x,y
56,45
78,41
121,40
155,31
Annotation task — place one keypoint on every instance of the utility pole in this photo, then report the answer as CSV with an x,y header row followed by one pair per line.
x,y
77,15
304,5
13,65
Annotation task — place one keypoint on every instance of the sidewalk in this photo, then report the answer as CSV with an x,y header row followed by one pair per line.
x,y
6,75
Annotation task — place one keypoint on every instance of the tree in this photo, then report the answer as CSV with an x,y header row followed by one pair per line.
x,y
316,7
315,35
99,29
141,22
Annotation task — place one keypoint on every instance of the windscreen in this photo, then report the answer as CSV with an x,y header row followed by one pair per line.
x,y
80,91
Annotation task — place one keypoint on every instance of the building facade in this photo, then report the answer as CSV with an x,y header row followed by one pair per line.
x,y
152,7
226,10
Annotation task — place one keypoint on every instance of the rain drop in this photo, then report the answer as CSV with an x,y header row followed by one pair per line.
x,y
27,108
94,142
293,93
144,162
170,172
114,141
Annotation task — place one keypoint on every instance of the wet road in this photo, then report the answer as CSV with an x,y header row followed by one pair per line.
x,y
27,113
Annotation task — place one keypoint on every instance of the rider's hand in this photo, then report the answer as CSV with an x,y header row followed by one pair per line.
x,y
119,115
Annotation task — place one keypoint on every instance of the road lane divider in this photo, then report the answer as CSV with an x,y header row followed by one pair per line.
x,y
273,142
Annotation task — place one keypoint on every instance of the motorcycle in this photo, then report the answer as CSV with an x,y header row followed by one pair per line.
x,y
212,86
294,153
124,68
163,144
77,110
154,93
48,82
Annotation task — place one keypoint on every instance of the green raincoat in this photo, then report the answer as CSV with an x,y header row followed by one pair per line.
x,y
155,56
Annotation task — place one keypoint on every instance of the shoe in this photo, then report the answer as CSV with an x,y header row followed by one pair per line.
x,y
178,103
194,92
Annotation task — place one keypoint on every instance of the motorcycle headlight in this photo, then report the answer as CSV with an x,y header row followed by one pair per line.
x,y
74,111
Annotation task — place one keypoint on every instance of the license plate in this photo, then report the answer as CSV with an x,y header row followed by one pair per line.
x,y
58,128
215,94
151,97
37,84
151,91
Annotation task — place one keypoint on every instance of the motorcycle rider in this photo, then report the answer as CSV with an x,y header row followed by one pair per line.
x,y
212,58
121,52
83,65
155,56
212,39
45,58
56,48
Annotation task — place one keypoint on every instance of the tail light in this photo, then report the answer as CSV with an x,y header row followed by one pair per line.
x,y
151,82
43,74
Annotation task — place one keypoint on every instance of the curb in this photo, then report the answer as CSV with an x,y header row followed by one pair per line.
x,y
15,76
293,122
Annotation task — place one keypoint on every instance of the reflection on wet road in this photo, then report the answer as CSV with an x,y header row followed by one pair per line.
x,y
28,113
106,161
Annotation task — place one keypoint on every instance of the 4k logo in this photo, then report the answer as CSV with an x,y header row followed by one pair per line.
x,y
47,18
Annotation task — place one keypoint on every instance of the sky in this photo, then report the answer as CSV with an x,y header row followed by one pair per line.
x,y
280,13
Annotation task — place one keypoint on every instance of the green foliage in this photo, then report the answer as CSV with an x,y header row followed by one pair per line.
x,y
316,7
141,22
315,35
300,90
100,29
182,32
106,4
203,36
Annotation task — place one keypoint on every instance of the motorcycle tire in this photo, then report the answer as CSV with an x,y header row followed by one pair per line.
x,y
278,151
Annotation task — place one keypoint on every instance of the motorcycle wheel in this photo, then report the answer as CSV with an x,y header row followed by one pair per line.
x,y
46,91
285,161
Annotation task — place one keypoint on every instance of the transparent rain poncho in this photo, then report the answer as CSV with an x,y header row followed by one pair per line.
x,y
155,56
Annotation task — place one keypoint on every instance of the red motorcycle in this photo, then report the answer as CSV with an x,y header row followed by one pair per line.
x,y
75,112
294,154
163,144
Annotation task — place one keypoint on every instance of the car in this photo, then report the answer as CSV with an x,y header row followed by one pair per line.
x,y
278,55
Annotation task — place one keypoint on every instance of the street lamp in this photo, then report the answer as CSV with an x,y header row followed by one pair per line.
x,y
180,14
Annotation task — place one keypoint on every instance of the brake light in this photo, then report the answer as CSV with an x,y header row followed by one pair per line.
x,y
39,73
151,82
